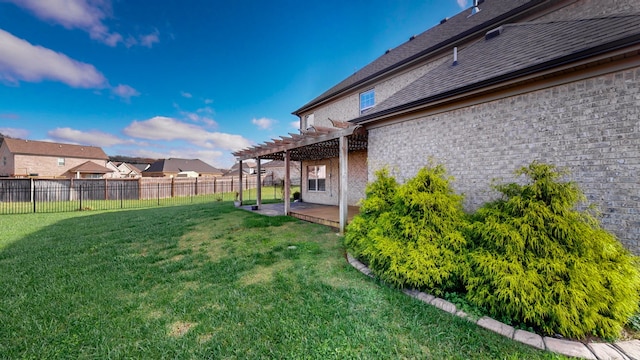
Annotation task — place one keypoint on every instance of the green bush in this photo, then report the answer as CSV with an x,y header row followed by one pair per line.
x,y
411,234
540,262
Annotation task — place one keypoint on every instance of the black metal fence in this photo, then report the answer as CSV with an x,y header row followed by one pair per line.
x,y
60,195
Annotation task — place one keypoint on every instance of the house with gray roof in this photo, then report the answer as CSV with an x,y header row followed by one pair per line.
x,y
489,90
29,158
173,166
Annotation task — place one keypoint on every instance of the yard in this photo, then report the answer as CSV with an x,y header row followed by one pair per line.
x,y
209,281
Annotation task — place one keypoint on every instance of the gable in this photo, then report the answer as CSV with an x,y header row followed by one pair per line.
x,y
454,29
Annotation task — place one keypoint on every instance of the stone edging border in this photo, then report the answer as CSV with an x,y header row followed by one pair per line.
x,y
626,350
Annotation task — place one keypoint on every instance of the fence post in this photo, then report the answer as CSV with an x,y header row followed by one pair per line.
x,y
121,197
80,198
33,194
158,194
106,189
173,183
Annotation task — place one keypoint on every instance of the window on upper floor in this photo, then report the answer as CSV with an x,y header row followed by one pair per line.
x,y
367,100
60,161
317,177
4,161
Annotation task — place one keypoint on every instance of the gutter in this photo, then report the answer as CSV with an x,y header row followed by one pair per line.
x,y
548,65
481,28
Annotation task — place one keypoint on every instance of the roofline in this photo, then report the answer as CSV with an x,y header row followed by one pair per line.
x,y
476,30
548,65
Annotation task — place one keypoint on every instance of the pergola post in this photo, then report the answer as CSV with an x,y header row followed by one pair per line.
x,y
344,182
259,184
240,181
287,183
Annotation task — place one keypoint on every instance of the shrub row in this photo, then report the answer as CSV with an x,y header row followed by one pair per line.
x,y
529,256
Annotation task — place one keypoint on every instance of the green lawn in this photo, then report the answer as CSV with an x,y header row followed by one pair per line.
x,y
208,281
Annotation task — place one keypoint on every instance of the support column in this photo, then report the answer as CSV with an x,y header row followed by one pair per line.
x,y
240,181
287,184
259,184
344,182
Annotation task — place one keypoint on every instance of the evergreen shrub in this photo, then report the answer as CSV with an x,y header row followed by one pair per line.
x,y
539,261
411,235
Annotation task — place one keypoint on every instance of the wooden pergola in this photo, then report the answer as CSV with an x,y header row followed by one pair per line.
x,y
315,143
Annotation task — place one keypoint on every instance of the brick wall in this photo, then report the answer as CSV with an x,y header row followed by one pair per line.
x,y
591,127
47,166
357,180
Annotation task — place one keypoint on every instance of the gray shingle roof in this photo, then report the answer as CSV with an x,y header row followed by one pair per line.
x,y
45,148
519,48
175,165
492,12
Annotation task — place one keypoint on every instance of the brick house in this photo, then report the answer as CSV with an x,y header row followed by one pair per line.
x,y
489,90
24,158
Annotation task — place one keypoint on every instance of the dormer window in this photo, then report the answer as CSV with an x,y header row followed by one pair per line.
x,y
60,161
367,100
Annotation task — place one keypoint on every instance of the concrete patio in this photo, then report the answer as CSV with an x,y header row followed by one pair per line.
x,y
316,213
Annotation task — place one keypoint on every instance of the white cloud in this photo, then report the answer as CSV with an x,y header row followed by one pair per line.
x,y
186,94
208,101
462,3
15,133
93,138
197,118
263,123
125,92
295,124
22,61
166,128
150,39
85,15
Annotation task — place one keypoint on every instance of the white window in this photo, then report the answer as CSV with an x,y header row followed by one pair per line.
x,y
317,177
60,161
367,100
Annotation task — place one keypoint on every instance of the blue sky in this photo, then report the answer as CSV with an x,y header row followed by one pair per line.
x,y
186,78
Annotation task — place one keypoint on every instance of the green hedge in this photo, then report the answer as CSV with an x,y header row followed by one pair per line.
x,y
411,234
539,261
529,257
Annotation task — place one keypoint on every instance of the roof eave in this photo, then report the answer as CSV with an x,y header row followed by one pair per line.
x,y
620,44
475,31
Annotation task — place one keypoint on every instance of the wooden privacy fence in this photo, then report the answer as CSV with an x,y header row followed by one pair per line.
x,y
62,194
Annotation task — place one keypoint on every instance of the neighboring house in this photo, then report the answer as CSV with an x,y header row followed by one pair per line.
x,y
172,167
274,171
248,167
23,158
486,92
129,171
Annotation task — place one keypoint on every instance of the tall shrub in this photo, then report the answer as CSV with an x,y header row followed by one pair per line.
x,y
539,261
411,234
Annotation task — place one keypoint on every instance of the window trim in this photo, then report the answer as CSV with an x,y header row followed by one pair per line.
x,y
61,161
364,105
318,186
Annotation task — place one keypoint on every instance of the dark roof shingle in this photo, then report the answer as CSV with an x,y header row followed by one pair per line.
x,y
492,11
175,165
520,47
44,148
